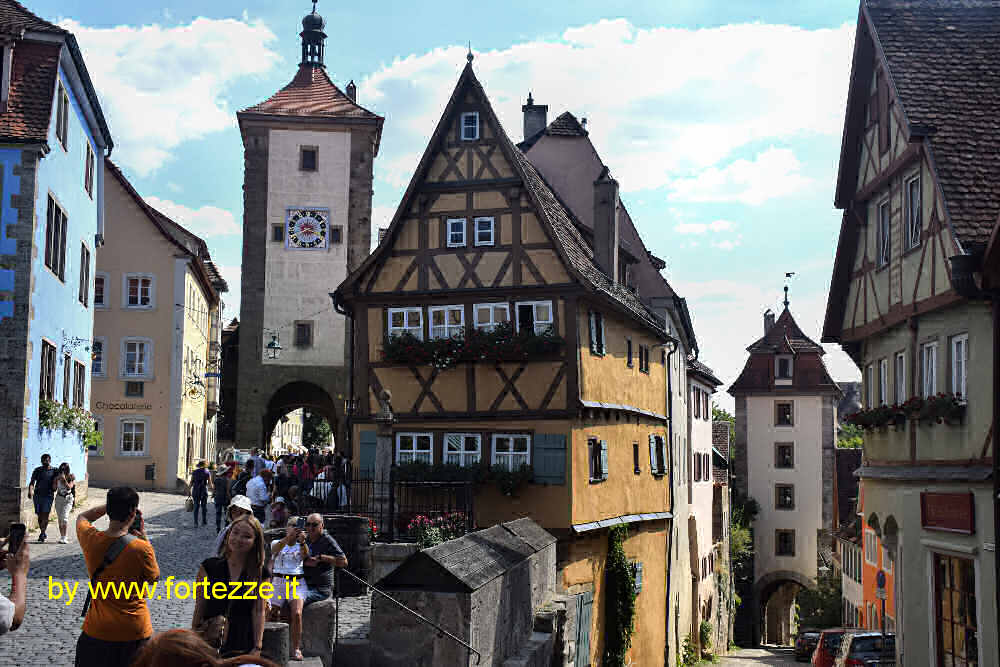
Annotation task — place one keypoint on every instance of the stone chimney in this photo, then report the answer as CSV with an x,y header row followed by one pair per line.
x,y
768,320
606,224
535,117
352,91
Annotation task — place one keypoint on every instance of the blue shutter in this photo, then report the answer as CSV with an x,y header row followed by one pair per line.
x,y
637,570
366,457
604,459
549,461
584,615
652,454
593,331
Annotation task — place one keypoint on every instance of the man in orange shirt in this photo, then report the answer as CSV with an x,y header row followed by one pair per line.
x,y
116,627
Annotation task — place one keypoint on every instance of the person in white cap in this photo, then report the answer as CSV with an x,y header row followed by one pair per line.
x,y
238,506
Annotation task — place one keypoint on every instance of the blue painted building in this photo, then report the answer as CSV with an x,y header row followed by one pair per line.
x,y
53,141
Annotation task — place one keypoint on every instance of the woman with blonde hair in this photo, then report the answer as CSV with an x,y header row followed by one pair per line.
x,y
235,626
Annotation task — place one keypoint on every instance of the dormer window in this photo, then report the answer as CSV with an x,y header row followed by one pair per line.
x,y
783,367
470,126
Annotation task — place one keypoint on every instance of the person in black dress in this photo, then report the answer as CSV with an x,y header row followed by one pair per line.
x,y
242,559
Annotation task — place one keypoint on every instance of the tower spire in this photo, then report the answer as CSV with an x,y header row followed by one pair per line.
x,y
313,38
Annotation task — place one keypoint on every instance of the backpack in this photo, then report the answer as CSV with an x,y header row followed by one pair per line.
x,y
240,486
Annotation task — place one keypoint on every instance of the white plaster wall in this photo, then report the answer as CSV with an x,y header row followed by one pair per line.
x,y
298,282
807,517
701,496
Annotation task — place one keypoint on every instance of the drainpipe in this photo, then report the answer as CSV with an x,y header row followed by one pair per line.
x,y
671,349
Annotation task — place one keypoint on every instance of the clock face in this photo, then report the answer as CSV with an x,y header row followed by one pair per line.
x,y
306,228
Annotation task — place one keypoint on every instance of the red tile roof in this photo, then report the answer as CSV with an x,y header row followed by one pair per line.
x,y
311,93
14,17
32,90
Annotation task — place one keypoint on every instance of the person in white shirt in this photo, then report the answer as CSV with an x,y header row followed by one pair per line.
x,y
288,556
12,609
258,493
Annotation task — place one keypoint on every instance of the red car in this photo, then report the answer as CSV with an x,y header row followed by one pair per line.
x,y
828,647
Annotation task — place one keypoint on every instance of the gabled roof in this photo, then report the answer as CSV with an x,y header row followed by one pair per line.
x,y
705,373
575,252
565,125
786,337
15,17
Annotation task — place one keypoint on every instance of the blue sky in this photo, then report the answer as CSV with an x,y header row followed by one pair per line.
x,y
721,120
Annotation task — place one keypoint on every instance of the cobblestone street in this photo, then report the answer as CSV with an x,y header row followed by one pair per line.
x,y
51,628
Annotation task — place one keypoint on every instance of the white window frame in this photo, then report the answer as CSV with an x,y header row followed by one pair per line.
x,y
490,307
595,321
104,357
883,381
870,386
413,452
417,331
534,315
884,237
506,459
871,548
928,369
152,290
461,127
900,378
133,419
466,457
493,229
448,231
450,330
914,223
147,368
960,371
101,275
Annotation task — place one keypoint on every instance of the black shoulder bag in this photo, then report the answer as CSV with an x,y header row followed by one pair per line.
x,y
109,556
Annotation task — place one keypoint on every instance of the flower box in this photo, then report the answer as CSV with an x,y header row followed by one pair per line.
x,y
501,344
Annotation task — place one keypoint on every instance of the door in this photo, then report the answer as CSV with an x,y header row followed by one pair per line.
x,y
584,616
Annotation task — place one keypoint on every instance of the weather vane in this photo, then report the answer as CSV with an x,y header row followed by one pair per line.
x,y
788,274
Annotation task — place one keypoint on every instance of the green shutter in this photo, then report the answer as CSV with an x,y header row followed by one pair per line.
x,y
604,459
549,461
366,457
584,615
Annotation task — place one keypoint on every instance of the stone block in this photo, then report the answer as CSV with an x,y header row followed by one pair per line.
x,y
276,642
319,626
387,557
354,652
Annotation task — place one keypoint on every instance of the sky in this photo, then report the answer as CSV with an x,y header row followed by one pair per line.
x,y
721,120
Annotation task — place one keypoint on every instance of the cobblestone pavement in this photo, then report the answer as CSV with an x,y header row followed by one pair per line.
x,y
770,656
50,630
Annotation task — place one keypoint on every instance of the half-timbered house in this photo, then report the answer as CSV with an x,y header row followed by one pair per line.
x,y
917,182
506,338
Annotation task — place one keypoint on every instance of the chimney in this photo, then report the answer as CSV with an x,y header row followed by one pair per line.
x,y
535,117
352,91
768,320
606,224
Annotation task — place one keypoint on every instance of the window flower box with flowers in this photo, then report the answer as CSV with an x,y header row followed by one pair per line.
x,y
53,415
503,343
430,531
878,418
942,408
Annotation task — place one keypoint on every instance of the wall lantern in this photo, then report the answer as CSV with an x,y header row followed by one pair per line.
x,y
274,347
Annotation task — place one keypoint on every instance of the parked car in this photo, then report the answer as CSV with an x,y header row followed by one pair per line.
x,y
828,647
866,648
805,644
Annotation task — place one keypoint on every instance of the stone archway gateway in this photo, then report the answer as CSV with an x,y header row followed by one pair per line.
x,y
774,616
296,395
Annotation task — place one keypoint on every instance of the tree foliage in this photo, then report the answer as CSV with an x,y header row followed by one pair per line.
x,y
849,437
820,607
723,415
316,431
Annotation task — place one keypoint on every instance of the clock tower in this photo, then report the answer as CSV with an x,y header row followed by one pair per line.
x,y
307,192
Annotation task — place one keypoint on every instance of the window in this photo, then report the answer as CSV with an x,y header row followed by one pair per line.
x,y
955,611
138,290
784,368
303,334
462,449
413,447
596,333
277,233
657,455
913,206
696,402
67,367
47,383
308,158
100,290
706,414
784,455
697,467
134,389
784,543
406,321
447,321
132,438
628,352
456,232
55,239
884,236
79,382
886,561
534,316
784,497
97,357
511,451
84,295
62,115
899,361
136,357
871,550
783,413
490,315
484,231
870,386
470,126
88,172
928,365
597,453
336,234
960,365
707,467
635,458
644,359
883,381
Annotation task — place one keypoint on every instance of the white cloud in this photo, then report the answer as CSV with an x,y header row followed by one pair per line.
x,y
727,244
775,172
204,221
161,86
701,228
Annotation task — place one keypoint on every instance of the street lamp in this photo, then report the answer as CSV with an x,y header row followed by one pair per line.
x,y
274,347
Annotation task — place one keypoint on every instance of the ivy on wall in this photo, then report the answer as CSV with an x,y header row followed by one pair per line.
x,y
54,415
619,600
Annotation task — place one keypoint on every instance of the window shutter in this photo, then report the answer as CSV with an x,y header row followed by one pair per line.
x,y
604,459
366,457
584,614
652,455
593,331
663,455
600,332
590,459
638,577
549,458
